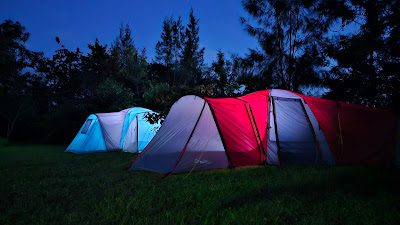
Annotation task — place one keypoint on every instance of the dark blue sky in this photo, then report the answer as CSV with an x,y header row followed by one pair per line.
x,y
79,22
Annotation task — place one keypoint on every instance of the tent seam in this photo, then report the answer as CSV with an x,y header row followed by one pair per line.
x,y
230,164
190,137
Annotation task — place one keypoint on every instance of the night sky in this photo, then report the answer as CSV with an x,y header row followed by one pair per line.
x,y
79,22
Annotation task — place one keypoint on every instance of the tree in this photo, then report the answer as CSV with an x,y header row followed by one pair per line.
x,y
15,79
290,35
64,75
168,51
224,74
96,67
366,64
192,55
129,64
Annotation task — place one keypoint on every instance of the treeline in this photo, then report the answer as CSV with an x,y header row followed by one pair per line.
x,y
303,47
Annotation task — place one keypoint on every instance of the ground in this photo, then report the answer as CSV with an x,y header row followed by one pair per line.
x,y
44,185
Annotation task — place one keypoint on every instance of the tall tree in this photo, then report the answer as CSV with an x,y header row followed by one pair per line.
x,y
96,67
290,35
130,64
64,74
192,56
169,50
366,68
224,73
15,77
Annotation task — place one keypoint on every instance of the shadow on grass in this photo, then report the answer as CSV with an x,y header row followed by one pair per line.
x,y
360,182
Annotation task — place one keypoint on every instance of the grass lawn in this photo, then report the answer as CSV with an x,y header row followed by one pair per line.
x,y
44,185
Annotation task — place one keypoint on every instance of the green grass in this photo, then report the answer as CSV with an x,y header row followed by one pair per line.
x,y
43,185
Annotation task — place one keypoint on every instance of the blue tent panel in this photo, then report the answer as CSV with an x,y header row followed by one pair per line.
x,y
130,116
146,131
91,141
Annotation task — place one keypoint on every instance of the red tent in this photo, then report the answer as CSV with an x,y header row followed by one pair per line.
x,y
276,127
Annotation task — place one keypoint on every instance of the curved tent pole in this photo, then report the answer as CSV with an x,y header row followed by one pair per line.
x,y
258,132
190,137
255,125
276,130
231,166
136,156
312,129
101,128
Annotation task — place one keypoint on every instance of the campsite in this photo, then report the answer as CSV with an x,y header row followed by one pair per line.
x,y
200,112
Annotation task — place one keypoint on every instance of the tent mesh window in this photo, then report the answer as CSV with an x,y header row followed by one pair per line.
x,y
87,125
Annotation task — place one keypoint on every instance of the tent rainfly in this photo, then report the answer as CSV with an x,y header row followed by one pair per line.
x,y
275,127
127,130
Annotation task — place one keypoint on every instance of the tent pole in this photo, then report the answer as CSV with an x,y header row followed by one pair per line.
x,y
312,129
220,135
190,137
137,132
276,130
340,131
258,138
251,123
258,132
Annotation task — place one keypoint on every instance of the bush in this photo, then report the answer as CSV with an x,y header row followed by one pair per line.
x,y
3,142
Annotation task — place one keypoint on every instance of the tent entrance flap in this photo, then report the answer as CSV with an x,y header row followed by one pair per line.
x,y
297,144
130,143
205,149
111,127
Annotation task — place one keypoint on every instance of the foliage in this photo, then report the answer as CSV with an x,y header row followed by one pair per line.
x,y
16,83
223,75
192,55
290,34
367,62
347,48
168,52
129,64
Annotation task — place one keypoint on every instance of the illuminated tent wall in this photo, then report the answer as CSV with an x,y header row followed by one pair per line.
x,y
277,127
126,130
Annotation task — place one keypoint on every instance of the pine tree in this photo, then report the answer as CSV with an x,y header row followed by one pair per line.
x,y
168,51
130,64
290,35
192,57
366,67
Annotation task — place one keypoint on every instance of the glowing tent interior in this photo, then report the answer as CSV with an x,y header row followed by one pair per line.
x,y
127,130
276,127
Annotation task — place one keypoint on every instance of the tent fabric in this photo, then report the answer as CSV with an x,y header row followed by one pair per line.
x,y
276,127
205,149
130,116
114,132
297,145
111,126
130,143
326,154
165,148
146,131
355,134
258,106
89,142
237,131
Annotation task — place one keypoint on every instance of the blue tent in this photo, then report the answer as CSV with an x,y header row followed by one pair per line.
x,y
127,130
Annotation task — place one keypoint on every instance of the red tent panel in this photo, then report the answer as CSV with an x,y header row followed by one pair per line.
x,y
367,133
259,107
237,131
